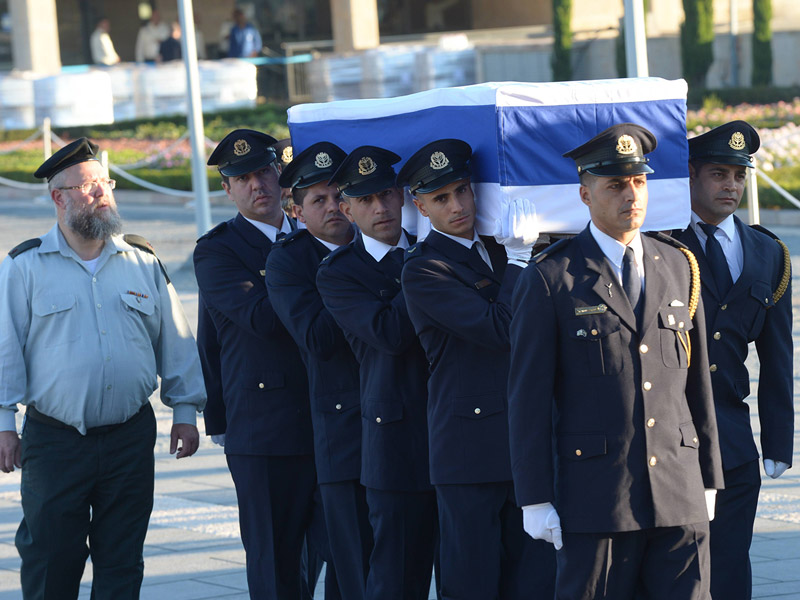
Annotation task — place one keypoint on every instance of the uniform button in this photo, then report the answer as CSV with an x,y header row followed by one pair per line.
x,y
717,335
724,307
53,307
578,452
695,440
102,331
712,368
99,305
651,422
680,324
653,461
108,358
594,331
378,420
261,386
94,279
338,407
477,411
643,348
766,300
647,385
108,387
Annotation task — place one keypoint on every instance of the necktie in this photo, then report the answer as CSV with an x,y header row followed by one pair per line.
x,y
280,235
479,251
393,262
631,282
720,272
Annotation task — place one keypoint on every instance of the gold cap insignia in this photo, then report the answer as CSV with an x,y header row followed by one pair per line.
x,y
439,161
366,166
322,160
737,141
287,155
626,145
241,147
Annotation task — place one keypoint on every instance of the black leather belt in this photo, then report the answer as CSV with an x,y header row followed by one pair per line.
x,y
34,414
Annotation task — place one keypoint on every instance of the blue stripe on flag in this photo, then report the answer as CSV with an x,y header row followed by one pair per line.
x,y
533,138
405,133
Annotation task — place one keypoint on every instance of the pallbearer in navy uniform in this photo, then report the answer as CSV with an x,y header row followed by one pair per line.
x,y
291,273
360,285
458,289
747,295
258,404
613,432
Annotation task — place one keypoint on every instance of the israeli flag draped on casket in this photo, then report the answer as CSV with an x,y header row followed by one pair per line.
x,y
518,132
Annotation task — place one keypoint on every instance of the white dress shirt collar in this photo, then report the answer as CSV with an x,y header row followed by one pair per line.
x,y
270,230
377,249
727,226
615,250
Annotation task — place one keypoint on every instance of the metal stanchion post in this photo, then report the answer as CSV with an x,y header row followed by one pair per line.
x,y
752,196
47,138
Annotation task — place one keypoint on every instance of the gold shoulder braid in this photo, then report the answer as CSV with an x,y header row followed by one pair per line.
x,y
787,273
694,298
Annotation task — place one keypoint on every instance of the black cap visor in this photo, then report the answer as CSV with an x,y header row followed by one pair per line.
x,y
248,165
373,185
723,158
441,181
617,169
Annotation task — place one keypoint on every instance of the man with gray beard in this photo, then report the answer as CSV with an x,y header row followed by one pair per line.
x,y
88,321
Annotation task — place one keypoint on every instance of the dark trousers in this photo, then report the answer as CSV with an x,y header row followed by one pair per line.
x,y
349,535
485,553
405,528
275,495
663,563
732,532
316,552
98,486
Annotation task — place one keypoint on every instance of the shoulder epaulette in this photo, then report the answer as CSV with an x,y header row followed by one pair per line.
x,y
413,251
551,250
786,275
332,256
142,244
667,239
24,246
213,231
291,237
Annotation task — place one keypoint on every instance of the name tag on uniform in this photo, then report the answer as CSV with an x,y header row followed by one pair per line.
x,y
590,310
482,284
676,303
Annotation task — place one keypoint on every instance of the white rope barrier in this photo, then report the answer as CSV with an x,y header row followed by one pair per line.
x,y
23,143
778,188
155,187
39,187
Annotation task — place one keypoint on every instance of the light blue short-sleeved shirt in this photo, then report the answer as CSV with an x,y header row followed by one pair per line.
x,y
86,348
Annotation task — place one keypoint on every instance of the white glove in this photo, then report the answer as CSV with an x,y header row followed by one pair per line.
x,y
541,522
711,503
517,228
219,440
774,468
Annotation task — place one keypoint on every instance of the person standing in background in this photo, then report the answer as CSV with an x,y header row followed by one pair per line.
x,y
102,47
150,37
244,40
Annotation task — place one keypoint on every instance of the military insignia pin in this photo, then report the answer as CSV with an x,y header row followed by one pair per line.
x,y
287,155
322,160
439,161
241,147
626,145
366,166
737,141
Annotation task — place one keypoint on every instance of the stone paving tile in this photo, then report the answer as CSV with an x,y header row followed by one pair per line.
x,y
786,589
237,580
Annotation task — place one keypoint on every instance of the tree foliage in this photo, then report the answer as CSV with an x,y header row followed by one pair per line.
x,y
697,38
762,42
562,40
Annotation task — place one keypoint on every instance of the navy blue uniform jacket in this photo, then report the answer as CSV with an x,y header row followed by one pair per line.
x,y
609,422
365,298
461,310
257,385
332,368
748,314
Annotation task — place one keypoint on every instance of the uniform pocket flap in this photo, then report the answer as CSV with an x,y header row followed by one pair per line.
x,y
382,411
689,435
266,381
762,292
48,305
338,403
478,407
143,304
592,327
580,446
675,318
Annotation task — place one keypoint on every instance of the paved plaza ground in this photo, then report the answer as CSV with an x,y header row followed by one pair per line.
x,y
193,550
